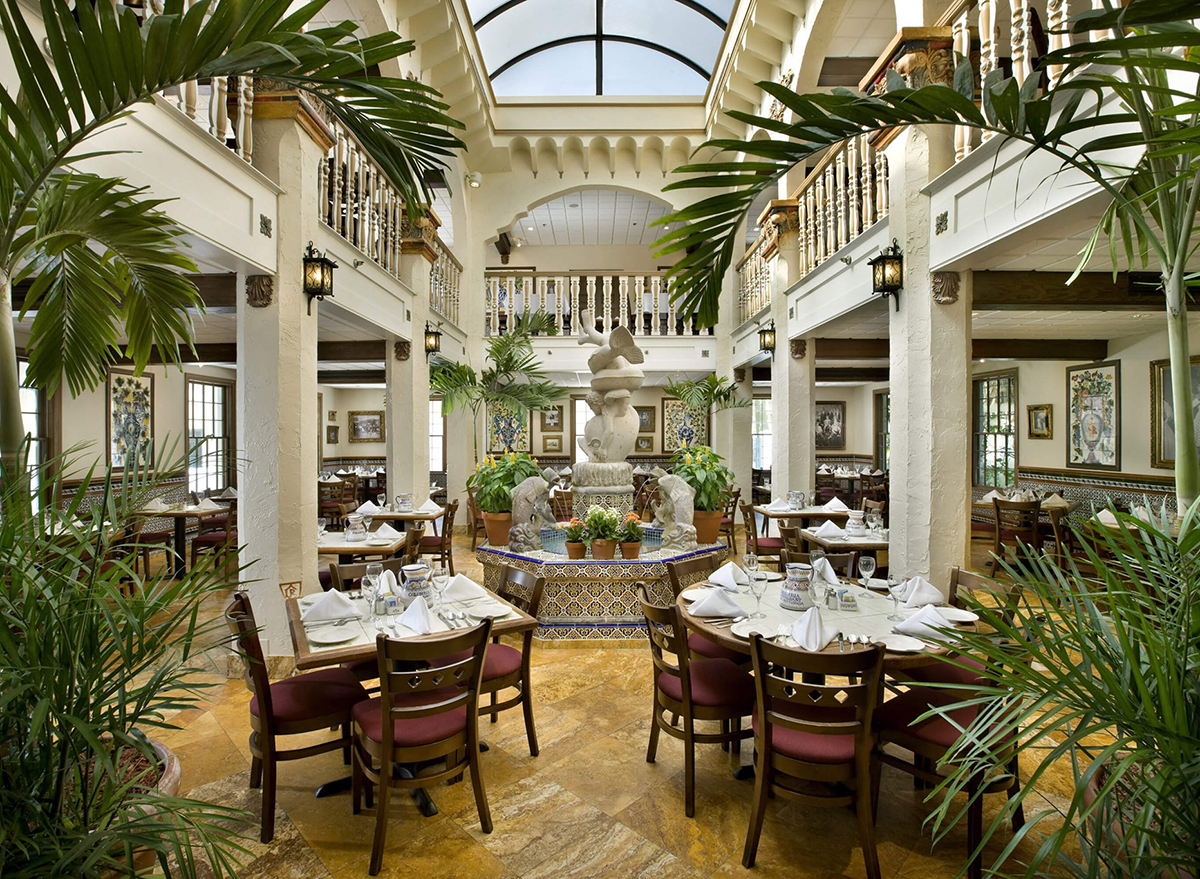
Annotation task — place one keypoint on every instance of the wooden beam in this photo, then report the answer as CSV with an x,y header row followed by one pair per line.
x,y
847,71
218,292
354,376
335,352
852,373
1039,349
853,349
219,352
1048,291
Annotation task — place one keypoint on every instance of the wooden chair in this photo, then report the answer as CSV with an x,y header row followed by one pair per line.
x,y
330,503
792,541
763,547
306,703
842,562
146,542
684,574
427,710
815,742
223,541
729,519
411,554
441,546
869,505
1016,524
693,689
477,527
347,578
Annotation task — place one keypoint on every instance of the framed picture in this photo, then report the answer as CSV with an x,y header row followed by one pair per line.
x,y
682,424
367,426
644,443
645,416
1041,420
830,431
332,415
1094,416
507,430
331,434
130,418
552,443
1162,411
552,420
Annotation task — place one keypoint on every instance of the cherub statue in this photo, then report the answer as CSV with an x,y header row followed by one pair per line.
x,y
674,513
531,513
609,435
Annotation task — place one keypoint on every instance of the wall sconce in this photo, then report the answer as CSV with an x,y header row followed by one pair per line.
x,y
318,275
766,338
887,272
474,179
433,339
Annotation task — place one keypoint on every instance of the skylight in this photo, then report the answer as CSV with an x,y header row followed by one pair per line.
x,y
567,48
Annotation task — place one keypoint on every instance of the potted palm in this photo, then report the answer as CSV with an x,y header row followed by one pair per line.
x,y
575,533
631,536
493,481
702,469
603,525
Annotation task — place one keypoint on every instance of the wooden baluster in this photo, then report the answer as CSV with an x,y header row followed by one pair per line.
x,y
801,238
1020,38
855,200
218,108
625,294
989,40
810,228
244,132
869,215
842,234
322,190
881,174
339,155
655,291
962,46
1056,22
830,213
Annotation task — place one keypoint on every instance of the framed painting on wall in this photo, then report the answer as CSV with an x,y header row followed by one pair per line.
x,y
830,429
332,415
644,444
645,416
552,419
507,430
1094,416
130,418
367,426
552,443
1162,412
682,424
331,434
1041,420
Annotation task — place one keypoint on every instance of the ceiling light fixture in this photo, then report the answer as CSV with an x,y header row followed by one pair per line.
x,y
887,272
474,179
318,275
766,337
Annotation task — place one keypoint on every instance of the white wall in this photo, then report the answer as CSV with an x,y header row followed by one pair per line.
x,y
343,401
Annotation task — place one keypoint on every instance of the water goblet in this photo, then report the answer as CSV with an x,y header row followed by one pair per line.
x,y
866,567
441,580
749,565
895,587
757,586
381,499
367,517
370,591
321,526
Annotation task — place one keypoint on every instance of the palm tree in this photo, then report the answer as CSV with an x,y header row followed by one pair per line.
x,y
515,379
100,256
1136,89
711,392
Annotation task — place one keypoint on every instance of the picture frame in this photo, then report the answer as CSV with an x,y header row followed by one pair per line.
x,y
1040,420
507,431
644,444
646,419
552,420
1162,411
129,420
829,429
331,434
332,415
552,443
366,426
1094,416
681,423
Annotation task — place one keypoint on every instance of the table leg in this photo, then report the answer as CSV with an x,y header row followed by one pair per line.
x,y
420,796
179,565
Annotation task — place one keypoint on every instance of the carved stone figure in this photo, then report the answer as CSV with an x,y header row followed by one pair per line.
x,y
676,501
615,376
531,513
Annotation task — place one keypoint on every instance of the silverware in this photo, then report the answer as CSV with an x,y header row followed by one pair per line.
x,y
448,624
841,642
320,623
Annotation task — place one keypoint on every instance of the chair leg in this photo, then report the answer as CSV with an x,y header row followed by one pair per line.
x,y
356,784
689,767
268,794
655,719
381,815
255,772
725,731
863,805
758,809
495,713
481,803
346,747
527,708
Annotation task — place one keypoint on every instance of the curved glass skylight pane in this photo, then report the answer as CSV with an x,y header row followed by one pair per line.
x,y
634,70
531,24
564,71
665,23
721,7
479,8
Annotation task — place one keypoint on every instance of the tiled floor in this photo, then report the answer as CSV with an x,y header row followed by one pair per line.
x,y
588,806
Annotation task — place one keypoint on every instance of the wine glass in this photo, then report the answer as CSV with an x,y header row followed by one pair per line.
x,y
757,587
441,580
866,567
895,587
381,499
322,524
815,558
367,517
370,591
750,566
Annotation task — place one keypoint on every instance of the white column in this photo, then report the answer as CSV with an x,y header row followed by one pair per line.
x,y
930,383
277,393
408,390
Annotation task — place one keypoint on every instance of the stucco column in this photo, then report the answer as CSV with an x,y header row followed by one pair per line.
x,y
277,419
930,381
731,427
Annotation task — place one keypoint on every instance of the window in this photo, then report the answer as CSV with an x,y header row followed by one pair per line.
x,y
994,440
763,451
582,413
210,428
883,429
437,437
32,419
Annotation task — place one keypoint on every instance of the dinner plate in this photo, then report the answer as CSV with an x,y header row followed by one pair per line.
x,y
327,635
746,628
479,613
771,576
379,541
958,615
692,593
897,643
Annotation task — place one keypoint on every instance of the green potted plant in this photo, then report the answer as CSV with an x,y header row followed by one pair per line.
x,y
602,524
701,468
575,533
493,481
631,536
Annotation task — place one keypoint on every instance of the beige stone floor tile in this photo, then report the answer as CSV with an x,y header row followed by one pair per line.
x,y
608,774
605,707
613,851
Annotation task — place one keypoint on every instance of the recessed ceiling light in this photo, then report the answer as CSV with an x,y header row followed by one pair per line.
x,y
529,228
573,205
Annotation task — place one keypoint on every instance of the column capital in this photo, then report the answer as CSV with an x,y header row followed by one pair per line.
x,y
944,286
275,100
779,219
420,236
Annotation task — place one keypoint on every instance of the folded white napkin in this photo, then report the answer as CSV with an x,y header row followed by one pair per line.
x,y
1107,517
824,570
877,473
367,507
715,603
1024,496
1055,501
417,617
823,469
566,471
779,505
1142,513
333,605
918,592
389,582
209,506
828,529
730,576
836,506
429,507
924,624
992,495
328,480
810,633
844,474
386,531
463,589
229,494
157,505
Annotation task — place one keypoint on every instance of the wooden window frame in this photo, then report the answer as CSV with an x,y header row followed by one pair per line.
x,y
190,379
1015,401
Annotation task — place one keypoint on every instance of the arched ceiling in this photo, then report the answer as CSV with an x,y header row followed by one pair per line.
x,y
592,217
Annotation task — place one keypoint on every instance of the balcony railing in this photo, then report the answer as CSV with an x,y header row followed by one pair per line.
x,y
754,273
444,280
842,197
640,302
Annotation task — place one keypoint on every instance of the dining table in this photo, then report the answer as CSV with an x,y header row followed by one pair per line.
x,y
804,515
335,543
179,514
985,509
409,516
846,543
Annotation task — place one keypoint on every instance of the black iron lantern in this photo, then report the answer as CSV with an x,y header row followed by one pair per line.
x,y
318,275
766,338
433,339
887,272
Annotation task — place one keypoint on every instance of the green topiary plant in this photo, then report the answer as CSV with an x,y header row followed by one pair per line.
x,y
495,478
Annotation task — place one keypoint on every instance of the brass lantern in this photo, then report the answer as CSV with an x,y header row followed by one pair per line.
x,y
766,338
318,275
433,339
887,272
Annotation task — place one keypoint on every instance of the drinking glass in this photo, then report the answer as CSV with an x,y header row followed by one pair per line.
x,y
367,517
894,587
441,579
381,499
757,587
866,567
321,526
370,591
750,566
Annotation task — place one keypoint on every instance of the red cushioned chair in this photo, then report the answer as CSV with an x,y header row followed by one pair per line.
x,y
318,700
729,517
765,548
441,546
427,710
684,574
693,689
813,741
222,542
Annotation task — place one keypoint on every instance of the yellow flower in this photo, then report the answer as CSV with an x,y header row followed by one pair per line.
x,y
689,458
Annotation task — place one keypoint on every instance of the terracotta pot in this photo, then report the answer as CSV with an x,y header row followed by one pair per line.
x,y
497,525
708,525
631,550
604,549
168,784
576,550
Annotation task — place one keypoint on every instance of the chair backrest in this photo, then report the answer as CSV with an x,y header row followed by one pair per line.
x,y
411,667
448,519
412,544
751,528
1006,594
792,541
239,616
1018,519
841,561
683,574
473,510
668,637
868,505
348,577
521,588
732,499
564,504
349,487
842,704
329,492
825,480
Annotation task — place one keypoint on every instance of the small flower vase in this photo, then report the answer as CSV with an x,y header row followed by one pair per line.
x,y
631,550
604,549
576,550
